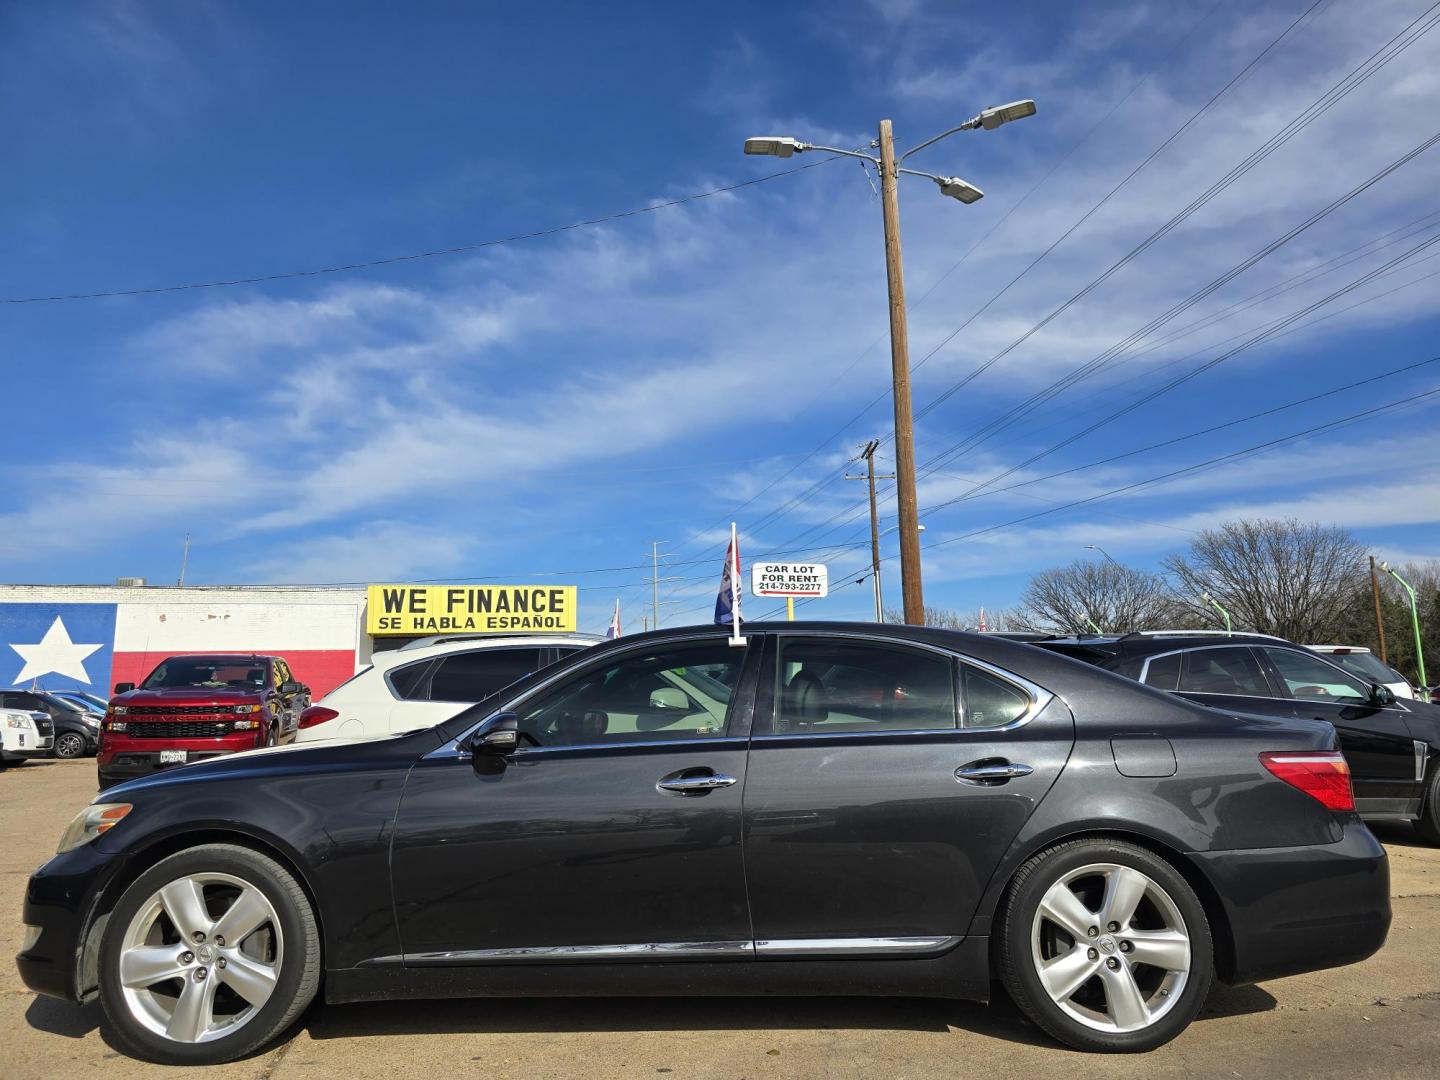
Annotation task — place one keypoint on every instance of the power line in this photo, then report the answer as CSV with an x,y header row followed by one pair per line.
x,y
370,264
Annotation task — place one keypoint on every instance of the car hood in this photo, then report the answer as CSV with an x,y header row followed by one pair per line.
x,y
189,695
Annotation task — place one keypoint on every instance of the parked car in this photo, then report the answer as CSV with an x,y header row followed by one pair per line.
x,y
1393,746
429,680
76,730
24,735
195,707
1364,664
989,811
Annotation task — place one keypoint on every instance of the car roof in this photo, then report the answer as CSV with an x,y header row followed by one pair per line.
x,y
421,648
1339,650
1151,643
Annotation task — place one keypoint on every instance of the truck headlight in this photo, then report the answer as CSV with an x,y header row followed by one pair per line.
x,y
120,710
248,708
90,823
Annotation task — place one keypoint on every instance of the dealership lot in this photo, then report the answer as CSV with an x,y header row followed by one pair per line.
x,y
1376,1019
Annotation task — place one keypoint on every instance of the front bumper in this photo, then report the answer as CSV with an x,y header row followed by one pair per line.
x,y
1301,909
123,757
58,902
43,744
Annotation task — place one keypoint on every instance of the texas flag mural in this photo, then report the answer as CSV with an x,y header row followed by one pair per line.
x,y
91,647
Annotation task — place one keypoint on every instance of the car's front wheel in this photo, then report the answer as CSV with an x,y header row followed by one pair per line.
x,y
209,955
1105,946
69,744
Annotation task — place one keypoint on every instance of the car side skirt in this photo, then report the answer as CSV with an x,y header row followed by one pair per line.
x,y
962,972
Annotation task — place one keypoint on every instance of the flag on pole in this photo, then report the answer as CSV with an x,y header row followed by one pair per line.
x,y
727,604
982,627
614,630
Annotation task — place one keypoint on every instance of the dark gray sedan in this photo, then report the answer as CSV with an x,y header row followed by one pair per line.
x,y
827,808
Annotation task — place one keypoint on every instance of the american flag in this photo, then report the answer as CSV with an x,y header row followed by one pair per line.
x,y
614,630
982,627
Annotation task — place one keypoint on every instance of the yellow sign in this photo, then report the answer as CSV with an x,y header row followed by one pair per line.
x,y
470,609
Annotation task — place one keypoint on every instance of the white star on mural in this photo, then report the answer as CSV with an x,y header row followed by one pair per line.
x,y
55,652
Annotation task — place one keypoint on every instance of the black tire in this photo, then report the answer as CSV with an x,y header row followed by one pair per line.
x,y
1427,825
298,978
69,744
1017,965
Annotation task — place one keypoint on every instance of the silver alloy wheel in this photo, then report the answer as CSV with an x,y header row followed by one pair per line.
x,y
1112,980
69,745
192,975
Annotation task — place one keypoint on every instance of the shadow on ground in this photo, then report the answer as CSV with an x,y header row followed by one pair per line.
x,y
1397,834
63,1018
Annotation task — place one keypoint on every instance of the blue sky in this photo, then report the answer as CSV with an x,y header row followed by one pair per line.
x,y
553,405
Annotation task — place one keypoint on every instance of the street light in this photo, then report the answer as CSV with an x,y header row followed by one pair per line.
x,y
1102,551
1216,605
889,168
1414,622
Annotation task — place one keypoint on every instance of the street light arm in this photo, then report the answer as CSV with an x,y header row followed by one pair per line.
x,y
969,125
843,153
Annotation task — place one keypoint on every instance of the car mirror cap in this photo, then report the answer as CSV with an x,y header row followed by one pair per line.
x,y
497,737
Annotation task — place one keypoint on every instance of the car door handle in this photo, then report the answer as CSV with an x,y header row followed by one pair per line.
x,y
691,782
991,771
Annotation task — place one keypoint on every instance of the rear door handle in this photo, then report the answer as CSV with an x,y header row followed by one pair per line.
x,y
694,782
991,772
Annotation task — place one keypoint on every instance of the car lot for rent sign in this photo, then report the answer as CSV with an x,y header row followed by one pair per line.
x,y
789,579
469,609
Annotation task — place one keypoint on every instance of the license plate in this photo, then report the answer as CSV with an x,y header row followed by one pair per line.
x,y
172,757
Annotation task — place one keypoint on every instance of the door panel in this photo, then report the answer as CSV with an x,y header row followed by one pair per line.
x,y
614,830
871,834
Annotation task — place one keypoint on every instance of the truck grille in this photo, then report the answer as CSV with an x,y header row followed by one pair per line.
x,y
178,729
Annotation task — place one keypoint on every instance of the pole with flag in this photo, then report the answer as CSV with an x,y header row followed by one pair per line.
x,y
982,627
727,603
614,630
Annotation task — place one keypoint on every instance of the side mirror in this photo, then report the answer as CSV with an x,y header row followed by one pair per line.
x,y
500,737
290,687
124,687
1380,694
669,698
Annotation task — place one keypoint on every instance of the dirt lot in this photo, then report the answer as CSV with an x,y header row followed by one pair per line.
x,y
1377,1019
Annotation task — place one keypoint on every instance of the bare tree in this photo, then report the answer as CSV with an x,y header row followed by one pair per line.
x,y
1098,597
1288,578
996,619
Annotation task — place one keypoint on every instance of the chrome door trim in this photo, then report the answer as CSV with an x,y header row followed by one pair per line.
x,y
661,950
854,946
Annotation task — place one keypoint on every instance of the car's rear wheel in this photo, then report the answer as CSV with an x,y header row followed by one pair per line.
x,y
69,744
208,956
1105,946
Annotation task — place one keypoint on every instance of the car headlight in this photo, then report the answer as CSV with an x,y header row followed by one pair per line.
x,y
120,710
14,722
248,708
90,823
91,722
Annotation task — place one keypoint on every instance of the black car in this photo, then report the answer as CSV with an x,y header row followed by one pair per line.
x,y
77,729
670,813
1392,745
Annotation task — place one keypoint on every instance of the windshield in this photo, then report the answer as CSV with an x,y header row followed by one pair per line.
x,y
83,701
1366,665
231,673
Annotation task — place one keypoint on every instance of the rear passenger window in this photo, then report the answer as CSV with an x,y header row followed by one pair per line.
x,y
408,682
989,701
1223,671
471,676
825,686
1163,672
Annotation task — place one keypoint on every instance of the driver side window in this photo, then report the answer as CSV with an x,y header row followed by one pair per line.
x,y
676,693
1312,679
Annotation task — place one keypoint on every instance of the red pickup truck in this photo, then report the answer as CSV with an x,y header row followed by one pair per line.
x,y
195,707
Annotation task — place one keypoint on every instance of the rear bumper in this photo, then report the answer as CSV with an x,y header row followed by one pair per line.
x,y
1302,909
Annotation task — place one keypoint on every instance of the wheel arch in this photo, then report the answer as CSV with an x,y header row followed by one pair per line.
x,y
1215,910
87,958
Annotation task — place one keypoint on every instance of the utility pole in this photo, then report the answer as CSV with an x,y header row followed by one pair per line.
x,y
1379,622
868,454
913,593
185,561
655,582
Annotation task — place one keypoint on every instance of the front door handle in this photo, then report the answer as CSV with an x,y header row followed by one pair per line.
x,y
694,782
991,771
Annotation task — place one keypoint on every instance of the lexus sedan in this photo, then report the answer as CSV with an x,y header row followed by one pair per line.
x,y
825,808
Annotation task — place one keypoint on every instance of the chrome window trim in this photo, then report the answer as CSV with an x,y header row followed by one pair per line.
x,y
618,655
683,950
1038,695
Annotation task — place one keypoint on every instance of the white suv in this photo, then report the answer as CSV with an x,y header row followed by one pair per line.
x,y
428,681
1361,662
24,734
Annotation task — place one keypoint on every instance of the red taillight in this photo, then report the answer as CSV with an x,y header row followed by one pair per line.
x,y
316,714
1321,774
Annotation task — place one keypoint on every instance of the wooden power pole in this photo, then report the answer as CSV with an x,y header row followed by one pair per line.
x,y
910,586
